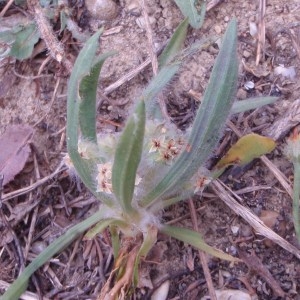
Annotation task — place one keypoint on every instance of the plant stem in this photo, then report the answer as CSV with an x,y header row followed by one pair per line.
x,y
296,196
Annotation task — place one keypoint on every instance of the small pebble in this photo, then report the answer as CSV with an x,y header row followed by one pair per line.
x,y
218,29
102,9
235,230
140,21
246,54
134,8
38,247
241,94
226,19
249,85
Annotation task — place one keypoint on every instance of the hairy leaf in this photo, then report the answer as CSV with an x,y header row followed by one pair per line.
x,y
251,103
175,44
81,99
189,10
210,119
194,238
127,157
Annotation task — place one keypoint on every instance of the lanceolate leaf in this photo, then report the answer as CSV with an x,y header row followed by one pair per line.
x,y
210,119
98,228
194,238
296,197
175,44
189,10
251,103
20,285
127,157
82,67
81,100
246,149
167,72
159,82
87,93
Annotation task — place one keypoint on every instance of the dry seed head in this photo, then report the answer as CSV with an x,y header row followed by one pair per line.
x,y
156,144
292,148
103,178
71,169
87,149
201,180
67,161
54,47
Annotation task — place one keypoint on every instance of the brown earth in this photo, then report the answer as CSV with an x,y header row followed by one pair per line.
x,y
41,214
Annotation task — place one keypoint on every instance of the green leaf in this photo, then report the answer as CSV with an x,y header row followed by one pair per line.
x,y
166,73
19,286
296,197
246,149
88,93
25,39
127,158
98,228
175,44
159,82
82,67
81,107
211,117
251,103
189,10
194,238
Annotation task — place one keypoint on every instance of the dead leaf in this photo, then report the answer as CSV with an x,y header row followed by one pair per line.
x,y
14,150
246,149
230,295
269,217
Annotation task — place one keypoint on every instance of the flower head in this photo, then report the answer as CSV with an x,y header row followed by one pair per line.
x,y
103,178
292,149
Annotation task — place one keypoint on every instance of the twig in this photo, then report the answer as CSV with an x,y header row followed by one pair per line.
x,y
6,7
153,57
261,37
32,187
213,4
31,231
202,255
127,77
255,264
31,77
9,228
257,224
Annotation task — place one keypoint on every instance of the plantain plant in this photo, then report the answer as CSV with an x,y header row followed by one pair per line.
x,y
149,166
